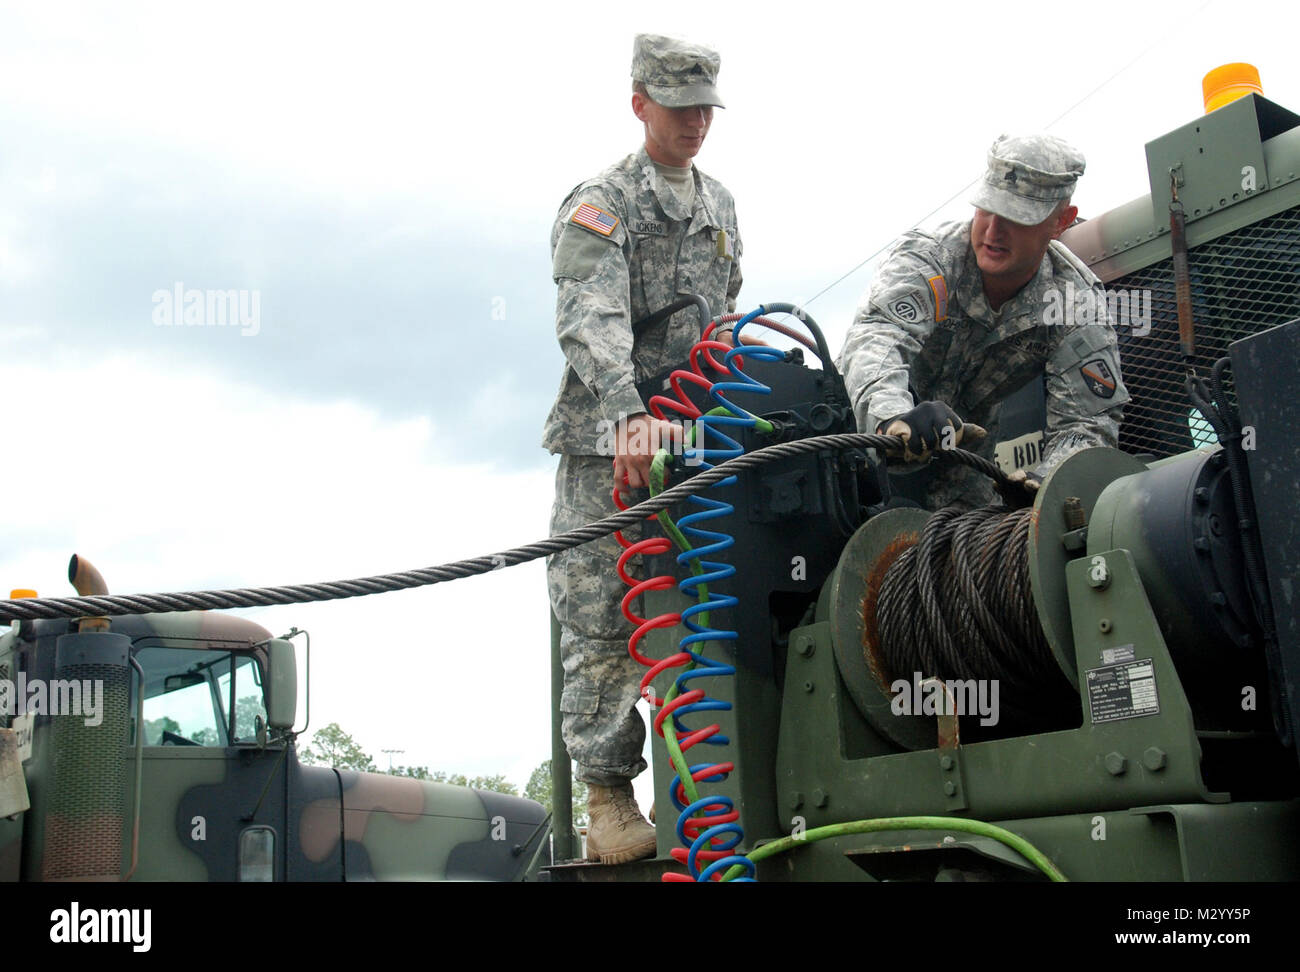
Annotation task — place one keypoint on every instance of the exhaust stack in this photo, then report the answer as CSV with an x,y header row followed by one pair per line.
x,y
84,825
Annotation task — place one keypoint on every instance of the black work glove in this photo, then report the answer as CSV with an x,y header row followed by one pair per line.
x,y
923,429
1020,489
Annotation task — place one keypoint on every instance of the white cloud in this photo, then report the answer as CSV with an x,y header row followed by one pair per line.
x,y
180,481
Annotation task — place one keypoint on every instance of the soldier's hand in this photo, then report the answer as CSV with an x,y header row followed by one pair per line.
x,y
928,426
728,337
1021,488
639,438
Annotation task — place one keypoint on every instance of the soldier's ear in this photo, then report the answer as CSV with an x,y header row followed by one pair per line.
x,y
1068,215
638,104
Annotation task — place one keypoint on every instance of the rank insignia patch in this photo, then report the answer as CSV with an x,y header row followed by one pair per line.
x,y
1096,375
594,219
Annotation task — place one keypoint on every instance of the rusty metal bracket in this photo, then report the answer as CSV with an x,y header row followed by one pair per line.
x,y
1182,271
951,777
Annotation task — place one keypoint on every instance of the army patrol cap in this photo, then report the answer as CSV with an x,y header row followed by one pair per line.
x,y
1028,176
676,74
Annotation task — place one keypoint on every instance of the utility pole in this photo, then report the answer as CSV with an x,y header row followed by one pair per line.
x,y
390,756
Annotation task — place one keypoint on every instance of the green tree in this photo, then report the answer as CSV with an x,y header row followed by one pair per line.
x,y
539,789
247,710
154,729
332,746
498,783
455,779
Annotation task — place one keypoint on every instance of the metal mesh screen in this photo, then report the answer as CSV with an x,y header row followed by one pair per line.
x,y
1243,282
83,830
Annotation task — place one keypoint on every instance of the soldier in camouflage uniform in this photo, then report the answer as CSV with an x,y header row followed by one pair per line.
x,y
625,244
959,318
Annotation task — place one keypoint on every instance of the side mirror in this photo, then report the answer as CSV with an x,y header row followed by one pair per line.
x,y
281,684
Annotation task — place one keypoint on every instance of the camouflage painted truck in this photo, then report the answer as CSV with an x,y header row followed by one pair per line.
x,y
163,749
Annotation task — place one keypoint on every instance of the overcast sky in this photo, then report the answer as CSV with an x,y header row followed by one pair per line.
x,y
384,178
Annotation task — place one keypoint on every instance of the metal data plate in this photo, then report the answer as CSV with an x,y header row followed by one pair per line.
x,y
1085,475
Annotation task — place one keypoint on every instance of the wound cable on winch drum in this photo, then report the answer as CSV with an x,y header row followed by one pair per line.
x,y
958,605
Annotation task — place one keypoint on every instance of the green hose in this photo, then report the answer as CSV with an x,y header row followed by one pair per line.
x,y
1017,843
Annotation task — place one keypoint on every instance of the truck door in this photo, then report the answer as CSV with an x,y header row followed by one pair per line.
x,y
213,804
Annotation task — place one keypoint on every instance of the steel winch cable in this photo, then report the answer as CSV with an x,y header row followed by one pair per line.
x,y
117,604
958,604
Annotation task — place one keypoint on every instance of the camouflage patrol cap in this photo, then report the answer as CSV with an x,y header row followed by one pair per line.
x,y
1027,176
676,74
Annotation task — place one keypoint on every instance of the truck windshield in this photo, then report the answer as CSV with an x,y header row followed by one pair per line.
x,y
199,698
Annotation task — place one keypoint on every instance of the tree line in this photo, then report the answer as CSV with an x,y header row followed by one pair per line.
x,y
332,746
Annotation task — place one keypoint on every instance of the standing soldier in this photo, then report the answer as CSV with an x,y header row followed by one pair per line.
x,y
625,244
961,317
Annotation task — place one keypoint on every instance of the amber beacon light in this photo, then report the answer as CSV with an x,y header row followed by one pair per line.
x,y
1229,82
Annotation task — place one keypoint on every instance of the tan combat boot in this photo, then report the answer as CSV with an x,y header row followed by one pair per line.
x,y
616,833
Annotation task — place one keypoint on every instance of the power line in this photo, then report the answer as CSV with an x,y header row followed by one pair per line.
x,y
1055,121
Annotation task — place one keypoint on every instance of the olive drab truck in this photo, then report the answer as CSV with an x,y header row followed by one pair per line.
x,y
161,747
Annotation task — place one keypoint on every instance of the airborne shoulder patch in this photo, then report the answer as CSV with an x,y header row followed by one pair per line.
x,y
1097,376
594,218
906,309
940,291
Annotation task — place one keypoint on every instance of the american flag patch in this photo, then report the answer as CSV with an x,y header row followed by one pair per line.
x,y
940,290
594,219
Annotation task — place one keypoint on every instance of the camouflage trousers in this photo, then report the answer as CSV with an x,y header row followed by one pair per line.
x,y
602,729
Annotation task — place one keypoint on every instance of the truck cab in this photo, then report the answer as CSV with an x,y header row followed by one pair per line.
x,y
164,749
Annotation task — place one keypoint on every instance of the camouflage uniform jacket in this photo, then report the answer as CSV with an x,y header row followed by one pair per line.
x,y
647,248
926,323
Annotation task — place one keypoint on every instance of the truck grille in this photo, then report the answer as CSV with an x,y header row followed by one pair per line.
x,y
1243,282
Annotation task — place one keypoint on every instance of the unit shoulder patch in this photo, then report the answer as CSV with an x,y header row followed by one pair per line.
x,y
906,309
1097,376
